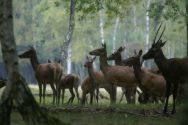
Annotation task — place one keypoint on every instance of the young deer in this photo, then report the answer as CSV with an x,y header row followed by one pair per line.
x,y
69,81
99,82
115,75
130,93
47,73
174,70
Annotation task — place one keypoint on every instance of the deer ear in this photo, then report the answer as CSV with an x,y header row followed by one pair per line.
x,y
163,43
140,53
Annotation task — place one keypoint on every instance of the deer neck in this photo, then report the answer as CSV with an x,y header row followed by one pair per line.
x,y
103,62
34,61
139,77
118,60
138,73
161,61
92,76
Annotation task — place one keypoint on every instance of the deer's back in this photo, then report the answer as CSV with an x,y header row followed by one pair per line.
x,y
120,75
47,72
99,79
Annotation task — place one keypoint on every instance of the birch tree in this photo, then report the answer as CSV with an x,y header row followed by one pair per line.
x,y
66,49
16,94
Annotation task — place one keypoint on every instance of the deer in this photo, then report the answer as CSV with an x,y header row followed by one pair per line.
x,y
129,93
69,81
149,82
174,70
122,76
45,73
143,97
99,82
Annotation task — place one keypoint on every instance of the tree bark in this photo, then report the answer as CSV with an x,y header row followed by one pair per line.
x,y
101,26
187,24
16,94
68,38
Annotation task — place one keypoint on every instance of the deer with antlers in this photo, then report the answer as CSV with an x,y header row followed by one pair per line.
x,y
89,85
174,70
122,76
47,73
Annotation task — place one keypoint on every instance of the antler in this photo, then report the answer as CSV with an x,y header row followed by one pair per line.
x,y
157,33
161,33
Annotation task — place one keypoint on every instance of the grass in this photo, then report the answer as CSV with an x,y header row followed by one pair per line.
x,y
102,118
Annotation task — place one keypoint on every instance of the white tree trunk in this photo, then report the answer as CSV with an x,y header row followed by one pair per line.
x,y
147,26
69,62
101,25
114,34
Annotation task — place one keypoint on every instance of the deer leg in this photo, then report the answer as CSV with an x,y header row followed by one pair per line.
x,y
77,94
83,98
174,97
91,97
122,94
97,95
54,93
40,92
62,96
58,95
72,96
168,86
44,91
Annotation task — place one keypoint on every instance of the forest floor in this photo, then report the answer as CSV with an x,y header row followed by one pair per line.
x,y
103,113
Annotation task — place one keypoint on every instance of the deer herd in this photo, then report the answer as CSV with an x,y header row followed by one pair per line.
x,y
156,84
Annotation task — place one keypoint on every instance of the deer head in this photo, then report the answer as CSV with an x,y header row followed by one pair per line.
x,y
89,61
99,51
117,54
28,53
136,60
156,46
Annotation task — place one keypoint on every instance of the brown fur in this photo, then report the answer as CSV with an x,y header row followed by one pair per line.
x,y
69,81
87,86
47,73
115,75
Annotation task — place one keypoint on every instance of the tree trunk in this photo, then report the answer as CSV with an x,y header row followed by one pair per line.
x,y
69,62
69,35
187,24
114,35
16,94
101,25
147,27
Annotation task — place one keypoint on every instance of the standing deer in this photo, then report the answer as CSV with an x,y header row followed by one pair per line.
x,y
47,73
143,97
100,82
69,81
122,76
149,82
130,93
174,70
